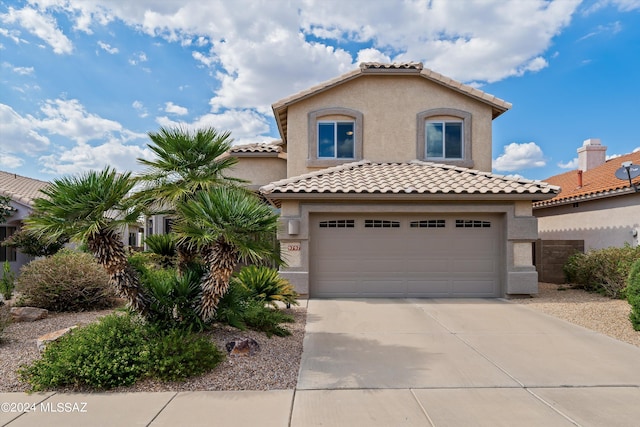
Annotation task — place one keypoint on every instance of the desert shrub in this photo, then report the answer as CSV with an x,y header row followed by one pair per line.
x,y
265,284
66,281
5,318
633,295
603,270
7,281
237,309
176,355
112,352
117,351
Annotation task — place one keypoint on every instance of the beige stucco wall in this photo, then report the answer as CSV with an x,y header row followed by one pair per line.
x,y
259,170
389,105
600,223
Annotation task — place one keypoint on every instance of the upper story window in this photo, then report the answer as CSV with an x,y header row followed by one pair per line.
x,y
336,140
335,137
444,135
444,140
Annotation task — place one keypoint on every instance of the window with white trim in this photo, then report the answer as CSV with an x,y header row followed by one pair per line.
x,y
444,140
336,140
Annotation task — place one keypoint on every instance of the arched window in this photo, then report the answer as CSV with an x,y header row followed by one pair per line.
x,y
444,135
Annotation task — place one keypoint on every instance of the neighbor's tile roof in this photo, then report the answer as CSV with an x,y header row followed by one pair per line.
x,y
597,182
20,188
414,177
280,107
273,147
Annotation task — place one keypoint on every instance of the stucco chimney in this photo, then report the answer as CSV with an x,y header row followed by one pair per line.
x,y
591,154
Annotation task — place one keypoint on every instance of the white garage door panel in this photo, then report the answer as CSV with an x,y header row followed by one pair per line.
x,y
406,261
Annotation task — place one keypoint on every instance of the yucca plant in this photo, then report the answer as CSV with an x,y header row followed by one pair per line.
x,y
265,284
92,208
226,224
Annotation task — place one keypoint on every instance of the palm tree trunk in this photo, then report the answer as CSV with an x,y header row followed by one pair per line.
x,y
109,252
186,256
221,259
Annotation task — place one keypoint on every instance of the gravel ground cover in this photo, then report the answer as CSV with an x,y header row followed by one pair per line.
x,y
277,363
591,311
275,366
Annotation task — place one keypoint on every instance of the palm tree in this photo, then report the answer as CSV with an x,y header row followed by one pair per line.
x,y
186,163
92,208
227,224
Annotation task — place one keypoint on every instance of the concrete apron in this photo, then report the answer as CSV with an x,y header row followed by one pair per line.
x,y
459,362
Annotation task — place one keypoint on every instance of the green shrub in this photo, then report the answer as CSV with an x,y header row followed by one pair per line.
x,y
237,309
174,298
117,351
7,281
604,270
110,353
177,355
5,318
265,284
66,281
633,295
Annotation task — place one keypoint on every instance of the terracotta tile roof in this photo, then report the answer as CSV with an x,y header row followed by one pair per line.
x,y
416,177
20,188
597,182
498,105
273,147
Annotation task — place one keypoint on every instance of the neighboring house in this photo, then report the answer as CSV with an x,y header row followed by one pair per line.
x,y
22,191
389,192
593,205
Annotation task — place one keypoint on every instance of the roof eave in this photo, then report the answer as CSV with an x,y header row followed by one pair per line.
x,y
425,197
584,198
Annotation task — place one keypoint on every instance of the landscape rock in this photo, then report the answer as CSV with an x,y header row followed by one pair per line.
x,y
242,347
45,339
28,314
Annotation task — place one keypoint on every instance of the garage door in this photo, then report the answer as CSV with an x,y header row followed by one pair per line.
x,y
405,256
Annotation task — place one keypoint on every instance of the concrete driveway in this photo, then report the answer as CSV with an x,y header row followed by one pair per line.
x,y
439,362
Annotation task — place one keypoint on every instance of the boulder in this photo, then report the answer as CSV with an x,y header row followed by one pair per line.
x,y
28,314
242,347
45,339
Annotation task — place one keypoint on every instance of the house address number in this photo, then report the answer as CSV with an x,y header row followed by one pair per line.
x,y
295,247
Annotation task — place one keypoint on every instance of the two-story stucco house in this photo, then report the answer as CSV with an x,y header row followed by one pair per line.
x,y
389,192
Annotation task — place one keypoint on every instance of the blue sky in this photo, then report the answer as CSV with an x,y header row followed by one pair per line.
x,y
83,81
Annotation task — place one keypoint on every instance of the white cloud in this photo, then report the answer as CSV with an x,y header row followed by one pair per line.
x,y
519,156
19,134
69,118
41,25
172,108
246,126
635,150
108,48
571,164
14,35
140,108
23,71
84,157
9,161
138,58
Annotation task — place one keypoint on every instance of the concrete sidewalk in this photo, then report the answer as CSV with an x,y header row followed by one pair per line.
x,y
405,362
